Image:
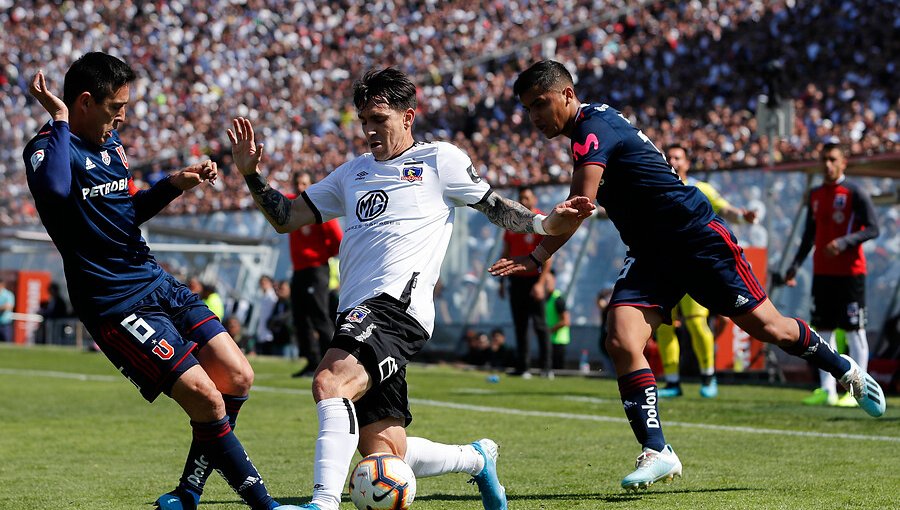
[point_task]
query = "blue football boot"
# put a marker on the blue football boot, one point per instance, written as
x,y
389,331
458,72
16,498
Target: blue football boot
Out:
x,y
493,495
178,499
710,390
864,389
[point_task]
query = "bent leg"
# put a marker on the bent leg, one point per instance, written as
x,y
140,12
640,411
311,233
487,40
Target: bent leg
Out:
x,y
196,393
794,336
339,380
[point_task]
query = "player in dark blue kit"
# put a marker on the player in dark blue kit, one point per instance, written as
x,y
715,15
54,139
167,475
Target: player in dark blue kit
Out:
x,y
619,166
152,328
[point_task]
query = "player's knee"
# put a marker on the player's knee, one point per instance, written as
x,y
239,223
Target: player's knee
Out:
x,y
241,381
200,398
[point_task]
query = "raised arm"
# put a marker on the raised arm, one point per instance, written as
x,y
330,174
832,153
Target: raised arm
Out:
x,y
284,214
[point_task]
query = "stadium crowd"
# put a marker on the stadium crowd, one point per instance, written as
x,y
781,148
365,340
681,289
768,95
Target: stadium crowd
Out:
x,y
686,72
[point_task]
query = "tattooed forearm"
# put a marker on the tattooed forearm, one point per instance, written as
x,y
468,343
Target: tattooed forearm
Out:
x,y
275,206
506,213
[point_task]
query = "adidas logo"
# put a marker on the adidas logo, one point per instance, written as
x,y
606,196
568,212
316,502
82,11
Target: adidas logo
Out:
x,y
248,483
741,301
88,164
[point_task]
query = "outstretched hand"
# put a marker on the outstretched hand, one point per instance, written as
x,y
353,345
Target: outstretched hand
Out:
x,y
54,105
506,267
246,153
568,215
191,176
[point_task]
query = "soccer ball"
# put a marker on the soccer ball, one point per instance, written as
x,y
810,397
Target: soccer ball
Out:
x,y
382,481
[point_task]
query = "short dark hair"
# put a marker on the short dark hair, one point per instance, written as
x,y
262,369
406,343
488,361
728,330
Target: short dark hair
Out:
x,y
97,73
388,86
687,153
543,76
833,145
525,187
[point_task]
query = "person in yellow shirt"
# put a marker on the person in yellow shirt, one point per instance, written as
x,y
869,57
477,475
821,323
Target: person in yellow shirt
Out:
x,y
693,315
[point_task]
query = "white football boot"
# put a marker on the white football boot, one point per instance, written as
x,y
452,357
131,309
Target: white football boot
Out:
x,y
653,466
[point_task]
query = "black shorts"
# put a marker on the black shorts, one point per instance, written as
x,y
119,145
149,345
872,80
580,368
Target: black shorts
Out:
x,y
383,337
839,302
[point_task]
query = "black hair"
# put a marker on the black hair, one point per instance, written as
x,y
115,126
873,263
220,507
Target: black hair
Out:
x,y
687,153
543,76
525,187
388,86
97,73
832,146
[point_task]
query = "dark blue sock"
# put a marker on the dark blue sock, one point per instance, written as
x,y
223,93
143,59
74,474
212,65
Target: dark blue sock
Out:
x,y
638,391
812,348
197,467
229,457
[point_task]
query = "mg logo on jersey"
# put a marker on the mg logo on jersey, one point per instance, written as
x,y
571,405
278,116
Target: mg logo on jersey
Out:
x,y
104,155
371,205
388,367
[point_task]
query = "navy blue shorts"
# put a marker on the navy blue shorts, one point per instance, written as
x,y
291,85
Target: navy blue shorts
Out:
x,y
152,341
708,264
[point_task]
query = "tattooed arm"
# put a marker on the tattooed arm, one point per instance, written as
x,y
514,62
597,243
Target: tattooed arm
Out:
x,y
284,214
511,215
505,213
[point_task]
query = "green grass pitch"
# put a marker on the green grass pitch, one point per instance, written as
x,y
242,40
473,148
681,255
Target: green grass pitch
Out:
x,y
75,434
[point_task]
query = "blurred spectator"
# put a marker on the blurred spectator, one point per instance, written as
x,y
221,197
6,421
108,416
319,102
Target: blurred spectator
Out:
x,y
234,328
280,322
558,321
265,305
501,356
7,305
478,351
311,248
527,293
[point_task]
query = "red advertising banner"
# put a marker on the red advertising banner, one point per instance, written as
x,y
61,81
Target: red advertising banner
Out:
x,y
31,291
736,350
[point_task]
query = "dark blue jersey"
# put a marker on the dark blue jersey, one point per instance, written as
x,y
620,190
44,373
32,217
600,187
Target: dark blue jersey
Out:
x,y
91,209
640,191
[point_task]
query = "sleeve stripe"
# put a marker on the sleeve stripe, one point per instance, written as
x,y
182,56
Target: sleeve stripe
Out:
x,y
579,165
485,196
313,207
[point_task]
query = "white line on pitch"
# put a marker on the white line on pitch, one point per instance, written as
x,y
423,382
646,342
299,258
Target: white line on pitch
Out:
x,y
498,410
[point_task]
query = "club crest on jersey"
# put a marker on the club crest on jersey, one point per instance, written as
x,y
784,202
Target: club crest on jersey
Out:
x,y
121,151
104,156
358,314
840,201
411,173
36,158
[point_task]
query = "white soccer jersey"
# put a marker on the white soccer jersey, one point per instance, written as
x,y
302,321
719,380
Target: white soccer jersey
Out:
x,y
399,217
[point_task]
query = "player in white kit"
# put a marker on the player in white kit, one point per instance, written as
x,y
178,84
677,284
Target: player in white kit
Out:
x,y
399,204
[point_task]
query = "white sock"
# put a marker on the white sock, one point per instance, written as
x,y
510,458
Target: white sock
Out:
x,y
826,380
427,458
858,345
338,439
